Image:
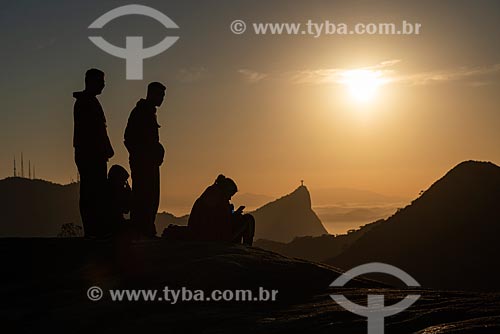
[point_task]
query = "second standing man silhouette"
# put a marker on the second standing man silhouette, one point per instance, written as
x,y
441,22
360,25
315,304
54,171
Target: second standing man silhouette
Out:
x,y
145,156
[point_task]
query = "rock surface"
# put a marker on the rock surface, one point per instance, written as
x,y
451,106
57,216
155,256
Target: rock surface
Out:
x,y
45,283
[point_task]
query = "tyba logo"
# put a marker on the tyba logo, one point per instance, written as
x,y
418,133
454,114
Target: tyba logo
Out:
x,y
134,53
375,311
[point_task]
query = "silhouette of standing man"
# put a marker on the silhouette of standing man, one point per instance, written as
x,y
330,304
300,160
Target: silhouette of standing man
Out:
x,y
92,152
146,156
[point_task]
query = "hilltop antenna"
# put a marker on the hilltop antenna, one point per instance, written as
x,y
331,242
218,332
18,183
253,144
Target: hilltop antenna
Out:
x,y
22,165
301,183
34,175
15,170
29,169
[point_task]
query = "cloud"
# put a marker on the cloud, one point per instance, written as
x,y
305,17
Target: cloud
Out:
x,y
472,76
334,75
251,76
469,75
190,75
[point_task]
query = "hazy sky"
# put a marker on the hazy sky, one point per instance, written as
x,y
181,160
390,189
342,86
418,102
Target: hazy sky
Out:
x,y
265,110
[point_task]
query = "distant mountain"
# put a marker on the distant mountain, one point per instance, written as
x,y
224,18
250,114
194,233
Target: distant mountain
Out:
x,y
448,238
288,217
36,207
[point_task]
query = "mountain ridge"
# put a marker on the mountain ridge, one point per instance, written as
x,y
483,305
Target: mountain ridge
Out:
x,y
449,237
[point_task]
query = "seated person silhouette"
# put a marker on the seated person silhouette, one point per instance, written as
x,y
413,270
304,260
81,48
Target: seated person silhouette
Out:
x,y
213,217
119,197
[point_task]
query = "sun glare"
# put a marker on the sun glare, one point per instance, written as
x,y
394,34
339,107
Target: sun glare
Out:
x,y
362,84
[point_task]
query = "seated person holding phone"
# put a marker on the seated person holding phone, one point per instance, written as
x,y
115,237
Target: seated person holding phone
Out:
x,y
213,217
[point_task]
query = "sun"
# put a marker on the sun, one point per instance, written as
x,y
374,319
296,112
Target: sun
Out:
x,y
362,84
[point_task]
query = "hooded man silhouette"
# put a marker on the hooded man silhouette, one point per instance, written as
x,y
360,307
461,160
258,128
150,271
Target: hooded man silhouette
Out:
x,y
92,152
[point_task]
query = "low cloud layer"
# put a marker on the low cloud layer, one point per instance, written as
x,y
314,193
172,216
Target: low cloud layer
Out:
x,y
474,76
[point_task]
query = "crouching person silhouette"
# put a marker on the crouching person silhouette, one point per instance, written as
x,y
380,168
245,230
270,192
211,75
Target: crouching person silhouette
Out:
x,y
213,217
119,199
